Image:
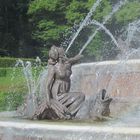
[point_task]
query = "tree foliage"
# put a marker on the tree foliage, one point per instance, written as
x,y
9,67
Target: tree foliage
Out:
x,y
102,10
48,19
76,11
29,27
129,12
51,18
15,31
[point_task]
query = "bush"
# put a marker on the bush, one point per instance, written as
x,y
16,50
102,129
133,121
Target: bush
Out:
x,y
10,62
10,101
9,71
3,72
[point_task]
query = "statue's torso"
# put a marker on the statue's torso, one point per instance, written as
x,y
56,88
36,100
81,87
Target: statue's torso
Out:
x,y
62,82
63,71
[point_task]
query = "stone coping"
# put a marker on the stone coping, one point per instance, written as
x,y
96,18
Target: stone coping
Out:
x,y
74,128
111,62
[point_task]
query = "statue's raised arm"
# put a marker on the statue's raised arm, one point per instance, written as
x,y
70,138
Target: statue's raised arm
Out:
x,y
75,59
72,60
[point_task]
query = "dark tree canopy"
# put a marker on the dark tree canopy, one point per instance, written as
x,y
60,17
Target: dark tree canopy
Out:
x,y
29,27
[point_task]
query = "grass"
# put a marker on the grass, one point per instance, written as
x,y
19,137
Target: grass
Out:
x,y
13,88
12,77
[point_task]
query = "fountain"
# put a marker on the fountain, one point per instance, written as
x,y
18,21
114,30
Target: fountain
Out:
x,y
97,100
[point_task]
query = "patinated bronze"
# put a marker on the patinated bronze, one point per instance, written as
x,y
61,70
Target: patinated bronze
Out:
x,y
100,108
59,102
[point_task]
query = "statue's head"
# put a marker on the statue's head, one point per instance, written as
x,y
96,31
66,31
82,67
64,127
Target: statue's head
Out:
x,y
61,52
53,53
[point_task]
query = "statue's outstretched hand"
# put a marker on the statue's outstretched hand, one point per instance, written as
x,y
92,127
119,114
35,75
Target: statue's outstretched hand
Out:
x,y
79,56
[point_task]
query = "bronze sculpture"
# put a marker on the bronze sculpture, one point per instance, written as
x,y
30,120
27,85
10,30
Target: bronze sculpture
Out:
x,y
59,103
100,108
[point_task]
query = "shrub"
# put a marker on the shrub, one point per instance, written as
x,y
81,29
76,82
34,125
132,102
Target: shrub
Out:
x,y
8,71
10,101
3,72
10,62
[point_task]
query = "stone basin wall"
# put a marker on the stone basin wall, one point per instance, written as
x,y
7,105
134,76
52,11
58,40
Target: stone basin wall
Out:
x,y
39,131
122,82
119,78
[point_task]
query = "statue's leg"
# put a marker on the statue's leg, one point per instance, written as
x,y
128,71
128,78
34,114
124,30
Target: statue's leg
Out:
x,y
72,99
65,98
60,97
58,109
61,108
75,106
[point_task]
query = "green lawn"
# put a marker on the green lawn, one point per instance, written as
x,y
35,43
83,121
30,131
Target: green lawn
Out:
x,y
12,87
12,77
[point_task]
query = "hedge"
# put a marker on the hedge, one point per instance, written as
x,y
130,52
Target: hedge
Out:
x,y
7,71
10,62
3,72
10,101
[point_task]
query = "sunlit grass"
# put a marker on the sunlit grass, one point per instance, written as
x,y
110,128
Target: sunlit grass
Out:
x,y
13,87
12,77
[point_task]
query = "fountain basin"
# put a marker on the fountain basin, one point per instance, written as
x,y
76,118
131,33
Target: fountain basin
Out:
x,y
10,130
120,79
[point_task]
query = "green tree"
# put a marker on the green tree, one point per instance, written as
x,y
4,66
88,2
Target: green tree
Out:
x,y
51,18
15,37
48,18
102,10
128,13
76,11
94,49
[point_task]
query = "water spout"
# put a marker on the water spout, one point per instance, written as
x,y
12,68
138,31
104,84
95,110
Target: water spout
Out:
x,y
106,30
115,9
96,4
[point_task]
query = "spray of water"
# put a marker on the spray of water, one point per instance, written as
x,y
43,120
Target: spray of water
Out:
x,y
26,73
115,9
68,35
32,84
127,52
120,67
106,30
131,30
87,18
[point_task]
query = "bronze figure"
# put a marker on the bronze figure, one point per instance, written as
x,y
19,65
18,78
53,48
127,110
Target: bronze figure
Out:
x,y
59,102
